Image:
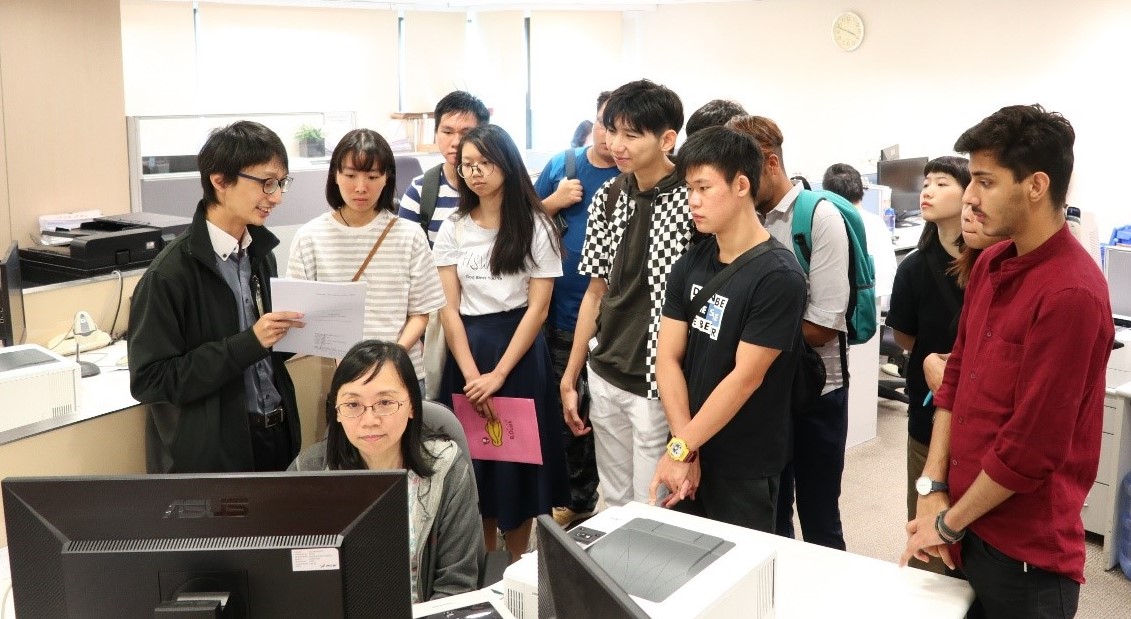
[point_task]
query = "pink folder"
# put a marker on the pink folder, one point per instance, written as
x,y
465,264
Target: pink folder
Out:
x,y
513,439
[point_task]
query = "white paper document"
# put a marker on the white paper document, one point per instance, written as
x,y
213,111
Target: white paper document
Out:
x,y
334,315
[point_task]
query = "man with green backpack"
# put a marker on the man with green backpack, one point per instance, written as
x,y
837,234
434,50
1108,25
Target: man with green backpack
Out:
x,y
827,237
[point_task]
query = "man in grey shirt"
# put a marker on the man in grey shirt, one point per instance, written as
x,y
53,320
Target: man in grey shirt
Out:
x,y
820,433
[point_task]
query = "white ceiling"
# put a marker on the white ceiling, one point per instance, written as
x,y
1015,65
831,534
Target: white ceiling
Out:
x,y
478,5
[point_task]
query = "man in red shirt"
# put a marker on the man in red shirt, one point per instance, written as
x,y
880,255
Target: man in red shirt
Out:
x,y
1020,412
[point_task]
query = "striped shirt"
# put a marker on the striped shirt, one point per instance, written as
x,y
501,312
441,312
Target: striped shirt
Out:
x,y
401,279
447,201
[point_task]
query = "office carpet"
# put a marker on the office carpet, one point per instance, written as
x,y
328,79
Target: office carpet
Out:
x,y
873,510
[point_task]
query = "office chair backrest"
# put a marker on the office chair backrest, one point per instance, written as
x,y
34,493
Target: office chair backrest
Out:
x,y
441,419
408,168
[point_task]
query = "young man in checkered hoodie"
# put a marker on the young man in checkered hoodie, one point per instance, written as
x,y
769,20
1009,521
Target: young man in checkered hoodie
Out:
x,y
639,225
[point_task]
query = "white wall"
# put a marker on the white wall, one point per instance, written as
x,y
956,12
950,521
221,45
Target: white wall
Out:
x,y
575,56
925,73
259,59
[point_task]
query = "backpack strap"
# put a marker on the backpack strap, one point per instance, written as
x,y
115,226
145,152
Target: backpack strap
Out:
x,y
429,192
571,163
801,228
615,189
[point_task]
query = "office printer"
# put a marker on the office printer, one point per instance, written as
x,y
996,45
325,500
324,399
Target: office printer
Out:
x,y
106,244
36,384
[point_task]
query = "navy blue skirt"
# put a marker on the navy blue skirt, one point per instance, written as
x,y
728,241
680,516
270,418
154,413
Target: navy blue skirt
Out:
x,y
509,491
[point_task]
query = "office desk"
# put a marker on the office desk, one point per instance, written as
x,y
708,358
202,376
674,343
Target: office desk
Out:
x,y
108,392
906,239
1101,507
814,581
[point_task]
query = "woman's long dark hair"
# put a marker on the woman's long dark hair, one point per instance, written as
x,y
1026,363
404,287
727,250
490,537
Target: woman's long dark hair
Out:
x,y
962,266
363,362
521,209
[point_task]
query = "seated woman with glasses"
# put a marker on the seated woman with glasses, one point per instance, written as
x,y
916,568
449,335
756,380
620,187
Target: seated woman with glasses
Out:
x,y
362,239
498,255
373,420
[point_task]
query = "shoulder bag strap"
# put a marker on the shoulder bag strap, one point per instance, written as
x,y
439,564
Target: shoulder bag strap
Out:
x,y
570,163
392,222
720,278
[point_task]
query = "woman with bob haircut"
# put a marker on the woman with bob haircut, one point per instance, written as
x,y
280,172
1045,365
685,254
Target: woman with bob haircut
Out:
x,y
926,301
498,255
362,239
373,422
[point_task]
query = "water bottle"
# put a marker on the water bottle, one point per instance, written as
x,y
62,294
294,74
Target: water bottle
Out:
x,y
889,219
1123,529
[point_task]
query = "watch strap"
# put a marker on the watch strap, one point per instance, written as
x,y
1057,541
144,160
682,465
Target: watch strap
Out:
x,y
947,534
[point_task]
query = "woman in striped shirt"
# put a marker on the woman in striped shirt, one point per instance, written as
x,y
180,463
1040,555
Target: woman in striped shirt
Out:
x,y
402,285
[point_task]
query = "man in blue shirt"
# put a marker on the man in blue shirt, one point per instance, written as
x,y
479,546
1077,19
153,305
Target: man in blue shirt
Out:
x,y
567,197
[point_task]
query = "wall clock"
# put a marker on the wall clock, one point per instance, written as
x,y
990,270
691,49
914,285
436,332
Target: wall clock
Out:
x,y
848,31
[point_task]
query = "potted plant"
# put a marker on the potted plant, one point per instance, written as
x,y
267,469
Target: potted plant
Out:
x,y
311,141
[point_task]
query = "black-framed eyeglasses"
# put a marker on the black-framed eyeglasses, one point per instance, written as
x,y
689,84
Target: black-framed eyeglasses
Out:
x,y
483,168
381,408
270,185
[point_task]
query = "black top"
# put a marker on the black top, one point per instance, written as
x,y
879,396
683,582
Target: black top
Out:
x,y
919,309
621,355
761,304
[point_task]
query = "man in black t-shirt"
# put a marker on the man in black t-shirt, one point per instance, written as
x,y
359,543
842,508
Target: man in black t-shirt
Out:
x,y
725,367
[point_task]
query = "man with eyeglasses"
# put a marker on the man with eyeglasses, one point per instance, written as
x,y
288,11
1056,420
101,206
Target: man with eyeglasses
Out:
x,y
201,325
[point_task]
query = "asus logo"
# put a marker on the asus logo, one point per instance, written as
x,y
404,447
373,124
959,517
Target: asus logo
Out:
x,y
206,508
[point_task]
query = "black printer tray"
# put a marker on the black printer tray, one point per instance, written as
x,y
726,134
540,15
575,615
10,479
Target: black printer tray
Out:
x,y
94,254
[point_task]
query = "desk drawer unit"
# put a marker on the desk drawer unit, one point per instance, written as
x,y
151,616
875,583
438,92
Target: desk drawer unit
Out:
x,y
1097,509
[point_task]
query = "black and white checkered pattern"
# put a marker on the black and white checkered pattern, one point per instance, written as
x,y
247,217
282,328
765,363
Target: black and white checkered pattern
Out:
x,y
669,234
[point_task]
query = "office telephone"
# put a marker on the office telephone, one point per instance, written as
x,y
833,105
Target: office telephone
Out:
x,y
84,332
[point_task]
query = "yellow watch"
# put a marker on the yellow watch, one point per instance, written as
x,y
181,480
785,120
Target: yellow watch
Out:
x,y
678,451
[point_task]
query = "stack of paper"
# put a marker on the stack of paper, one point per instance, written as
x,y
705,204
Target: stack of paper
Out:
x,y
66,221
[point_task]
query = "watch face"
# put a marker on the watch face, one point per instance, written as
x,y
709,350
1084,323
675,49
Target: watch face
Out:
x,y
923,485
677,449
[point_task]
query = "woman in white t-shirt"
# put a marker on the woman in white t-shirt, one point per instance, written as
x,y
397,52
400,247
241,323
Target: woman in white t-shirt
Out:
x,y
498,255
402,285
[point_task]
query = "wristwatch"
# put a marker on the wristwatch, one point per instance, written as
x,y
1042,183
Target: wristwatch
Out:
x,y
678,451
925,485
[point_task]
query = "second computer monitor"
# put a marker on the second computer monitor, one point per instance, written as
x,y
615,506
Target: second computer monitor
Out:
x,y
905,177
571,584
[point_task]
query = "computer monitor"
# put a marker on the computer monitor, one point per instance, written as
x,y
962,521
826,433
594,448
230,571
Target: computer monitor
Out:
x,y
905,177
12,326
1117,268
571,584
278,545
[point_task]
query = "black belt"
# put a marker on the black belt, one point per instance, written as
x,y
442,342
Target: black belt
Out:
x,y
265,420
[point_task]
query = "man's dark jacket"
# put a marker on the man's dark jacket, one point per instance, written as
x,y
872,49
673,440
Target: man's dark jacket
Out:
x,y
188,356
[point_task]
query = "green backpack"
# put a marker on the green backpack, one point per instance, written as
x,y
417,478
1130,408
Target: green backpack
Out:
x,y
861,313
